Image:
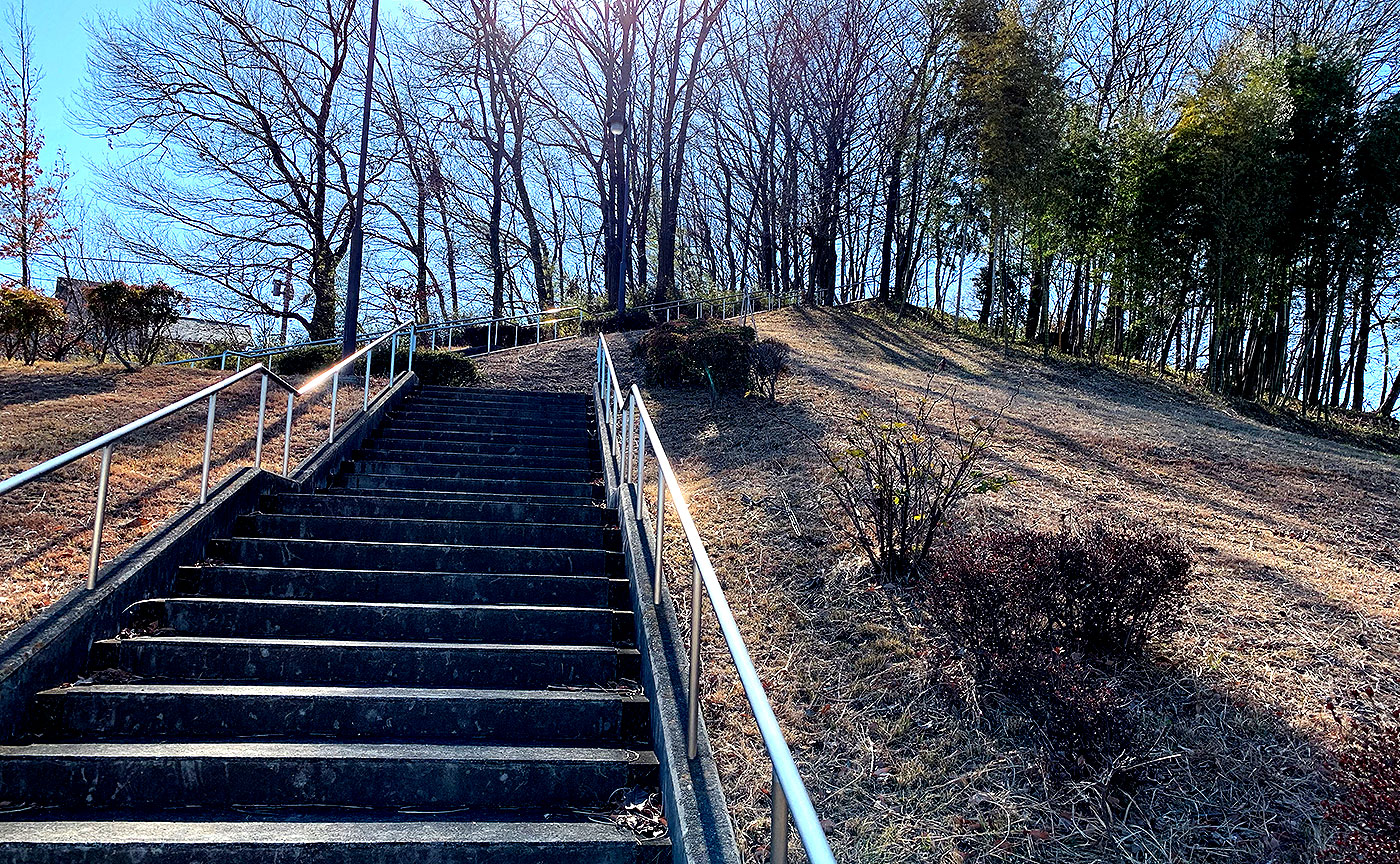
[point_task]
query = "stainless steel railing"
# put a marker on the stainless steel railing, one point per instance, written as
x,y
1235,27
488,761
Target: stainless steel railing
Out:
x,y
106,443
629,431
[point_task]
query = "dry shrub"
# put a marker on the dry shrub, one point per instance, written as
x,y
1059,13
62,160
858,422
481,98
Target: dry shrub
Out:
x,y
697,353
898,472
1366,770
1042,615
768,360
1100,587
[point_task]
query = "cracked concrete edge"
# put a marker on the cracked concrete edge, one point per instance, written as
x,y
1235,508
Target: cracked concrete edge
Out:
x,y
53,647
697,815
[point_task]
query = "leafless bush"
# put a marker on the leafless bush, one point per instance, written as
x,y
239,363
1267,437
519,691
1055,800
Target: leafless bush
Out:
x,y
768,360
900,470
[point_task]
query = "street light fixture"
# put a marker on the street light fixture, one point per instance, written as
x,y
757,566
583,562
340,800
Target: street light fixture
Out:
x,y
357,233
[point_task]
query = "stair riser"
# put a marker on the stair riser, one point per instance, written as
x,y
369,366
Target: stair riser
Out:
x,y
369,530
366,507
488,435
565,437
92,715
578,491
379,452
542,418
386,665
361,782
443,559
427,468
482,396
425,443
505,625
400,587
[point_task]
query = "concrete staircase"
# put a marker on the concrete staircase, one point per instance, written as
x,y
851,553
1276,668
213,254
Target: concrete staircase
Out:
x,y
430,661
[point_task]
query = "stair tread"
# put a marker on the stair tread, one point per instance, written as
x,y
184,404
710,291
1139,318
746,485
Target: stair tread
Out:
x,y
265,831
339,750
308,691
311,642
377,604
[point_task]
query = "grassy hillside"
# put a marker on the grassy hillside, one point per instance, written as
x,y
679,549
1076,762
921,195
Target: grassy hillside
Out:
x,y
46,409
1297,538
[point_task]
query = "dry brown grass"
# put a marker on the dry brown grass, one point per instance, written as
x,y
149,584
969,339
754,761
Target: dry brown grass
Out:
x,y
1298,541
46,409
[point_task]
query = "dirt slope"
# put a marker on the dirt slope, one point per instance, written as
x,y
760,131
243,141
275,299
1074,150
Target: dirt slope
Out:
x,y
1298,541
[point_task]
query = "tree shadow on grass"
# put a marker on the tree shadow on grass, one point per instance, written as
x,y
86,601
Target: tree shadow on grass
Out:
x,y
31,386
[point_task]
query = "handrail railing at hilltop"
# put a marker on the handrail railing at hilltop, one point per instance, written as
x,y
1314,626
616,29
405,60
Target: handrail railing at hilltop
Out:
x,y
628,433
106,443
742,304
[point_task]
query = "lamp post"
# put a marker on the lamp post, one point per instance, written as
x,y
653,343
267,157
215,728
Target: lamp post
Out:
x,y
357,234
617,128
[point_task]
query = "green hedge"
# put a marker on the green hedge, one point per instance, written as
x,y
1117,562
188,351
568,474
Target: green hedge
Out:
x,y
444,368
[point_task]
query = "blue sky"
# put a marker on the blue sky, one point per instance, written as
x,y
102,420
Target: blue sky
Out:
x,y
60,47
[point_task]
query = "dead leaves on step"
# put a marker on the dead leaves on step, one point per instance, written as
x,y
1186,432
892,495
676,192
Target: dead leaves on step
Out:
x,y
638,810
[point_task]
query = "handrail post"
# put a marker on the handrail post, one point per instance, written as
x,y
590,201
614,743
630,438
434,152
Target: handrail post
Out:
x,y
287,438
412,345
100,517
641,471
627,445
262,418
208,446
778,848
223,362
335,392
693,720
369,357
393,358
660,526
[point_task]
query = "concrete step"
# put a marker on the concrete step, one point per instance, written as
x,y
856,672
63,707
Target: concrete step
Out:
x,y
380,451
286,552
495,487
134,775
484,395
546,417
424,443
184,712
400,467
315,840
485,426
374,663
337,619
349,486
369,506
437,531
395,427
401,586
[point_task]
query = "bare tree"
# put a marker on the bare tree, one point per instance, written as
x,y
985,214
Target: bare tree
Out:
x,y
235,115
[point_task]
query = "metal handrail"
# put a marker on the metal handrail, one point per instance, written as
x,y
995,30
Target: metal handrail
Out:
x,y
790,798
743,302
108,441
